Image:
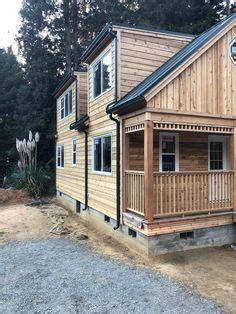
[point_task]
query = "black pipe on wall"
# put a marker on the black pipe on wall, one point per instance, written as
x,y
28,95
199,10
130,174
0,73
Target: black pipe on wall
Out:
x,y
86,170
117,138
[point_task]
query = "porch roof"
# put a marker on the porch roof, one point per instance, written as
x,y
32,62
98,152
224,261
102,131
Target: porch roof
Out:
x,y
137,93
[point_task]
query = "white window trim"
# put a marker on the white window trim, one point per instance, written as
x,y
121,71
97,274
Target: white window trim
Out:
x,y
72,152
64,97
104,173
176,135
230,47
93,64
223,139
60,146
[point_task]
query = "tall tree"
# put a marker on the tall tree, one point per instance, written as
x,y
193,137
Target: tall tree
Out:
x,y
13,95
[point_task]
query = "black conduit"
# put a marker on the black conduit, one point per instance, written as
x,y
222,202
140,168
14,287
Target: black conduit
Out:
x,y
117,138
117,171
86,170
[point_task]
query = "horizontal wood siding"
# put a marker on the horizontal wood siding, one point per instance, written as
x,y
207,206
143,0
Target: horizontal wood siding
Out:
x,y
208,85
70,179
142,53
82,94
102,188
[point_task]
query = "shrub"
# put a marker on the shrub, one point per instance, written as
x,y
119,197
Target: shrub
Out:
x,y
36,180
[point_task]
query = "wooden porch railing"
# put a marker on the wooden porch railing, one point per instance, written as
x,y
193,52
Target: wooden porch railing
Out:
x,y
177,193
134,184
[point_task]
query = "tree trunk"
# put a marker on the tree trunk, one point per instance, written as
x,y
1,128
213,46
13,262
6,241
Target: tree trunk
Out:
x,y
228,5
75,35
67,34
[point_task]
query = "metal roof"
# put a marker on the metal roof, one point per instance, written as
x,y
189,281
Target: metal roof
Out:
x,y
138,92
153,29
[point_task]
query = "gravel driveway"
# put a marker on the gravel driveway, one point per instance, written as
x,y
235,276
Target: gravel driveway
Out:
x,y
61,276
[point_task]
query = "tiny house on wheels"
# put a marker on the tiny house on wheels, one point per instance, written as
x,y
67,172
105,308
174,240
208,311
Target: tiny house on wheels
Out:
x,y
146,136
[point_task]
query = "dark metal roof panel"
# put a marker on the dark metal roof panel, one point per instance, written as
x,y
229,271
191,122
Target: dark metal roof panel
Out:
x,y
153,29
169,66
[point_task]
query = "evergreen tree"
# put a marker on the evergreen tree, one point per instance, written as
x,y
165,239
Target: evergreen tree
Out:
x,y
13,95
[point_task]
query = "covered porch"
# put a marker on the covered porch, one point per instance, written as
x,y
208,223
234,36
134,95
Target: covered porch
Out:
x,y
177,170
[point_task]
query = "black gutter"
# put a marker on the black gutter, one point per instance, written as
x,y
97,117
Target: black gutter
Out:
x,y
106,30
86,170
117,138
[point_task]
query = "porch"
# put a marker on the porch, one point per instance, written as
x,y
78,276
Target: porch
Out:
x,y
178,171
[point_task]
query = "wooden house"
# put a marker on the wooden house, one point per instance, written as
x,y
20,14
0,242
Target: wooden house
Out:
x,y
146,137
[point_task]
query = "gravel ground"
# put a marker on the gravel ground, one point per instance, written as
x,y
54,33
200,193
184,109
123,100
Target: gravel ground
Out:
x,y
61,276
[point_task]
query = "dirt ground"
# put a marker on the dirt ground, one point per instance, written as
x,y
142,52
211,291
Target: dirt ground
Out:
x,y
211,272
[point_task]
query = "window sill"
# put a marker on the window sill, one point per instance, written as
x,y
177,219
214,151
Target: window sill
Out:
x,y
62,119
102,173
60,167
100,95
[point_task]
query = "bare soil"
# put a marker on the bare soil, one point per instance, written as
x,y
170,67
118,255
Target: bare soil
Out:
x,y
211,272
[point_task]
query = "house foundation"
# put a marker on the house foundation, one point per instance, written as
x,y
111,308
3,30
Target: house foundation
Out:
x,y
155,244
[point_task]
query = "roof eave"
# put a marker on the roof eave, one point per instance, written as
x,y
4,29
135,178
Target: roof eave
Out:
x,y
95,43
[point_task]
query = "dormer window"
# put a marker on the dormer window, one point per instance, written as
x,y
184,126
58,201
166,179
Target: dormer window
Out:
x,y
233,51
102,75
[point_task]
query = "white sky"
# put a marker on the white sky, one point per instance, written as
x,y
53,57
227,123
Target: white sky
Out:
x,y
9,21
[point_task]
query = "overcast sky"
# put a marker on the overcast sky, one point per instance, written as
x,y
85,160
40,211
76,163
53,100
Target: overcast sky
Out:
x,y
9,21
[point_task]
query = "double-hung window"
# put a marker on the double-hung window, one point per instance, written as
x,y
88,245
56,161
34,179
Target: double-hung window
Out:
x,y
102,154
66,104
102,75
74,141
169,152
217,147
60,156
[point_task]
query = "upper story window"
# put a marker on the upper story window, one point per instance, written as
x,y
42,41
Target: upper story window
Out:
x,y
102,75
66,104
60,156
102,154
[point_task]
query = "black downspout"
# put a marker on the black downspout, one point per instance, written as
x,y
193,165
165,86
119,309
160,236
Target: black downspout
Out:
x,y
117,142
86,169
76,100
117,171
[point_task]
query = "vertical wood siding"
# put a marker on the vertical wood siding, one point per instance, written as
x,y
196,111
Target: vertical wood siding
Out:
x,y
208,85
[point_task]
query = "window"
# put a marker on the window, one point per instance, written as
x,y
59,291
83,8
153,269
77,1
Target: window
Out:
x,y
102,154
66,104
60,156
217,153
102,75
74,152
169,149
233,51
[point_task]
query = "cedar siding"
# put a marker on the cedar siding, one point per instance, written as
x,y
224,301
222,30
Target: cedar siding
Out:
x,y
142,52
207,85
70,179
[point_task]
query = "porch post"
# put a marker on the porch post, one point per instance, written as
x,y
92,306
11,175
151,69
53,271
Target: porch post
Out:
x,y
148,169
